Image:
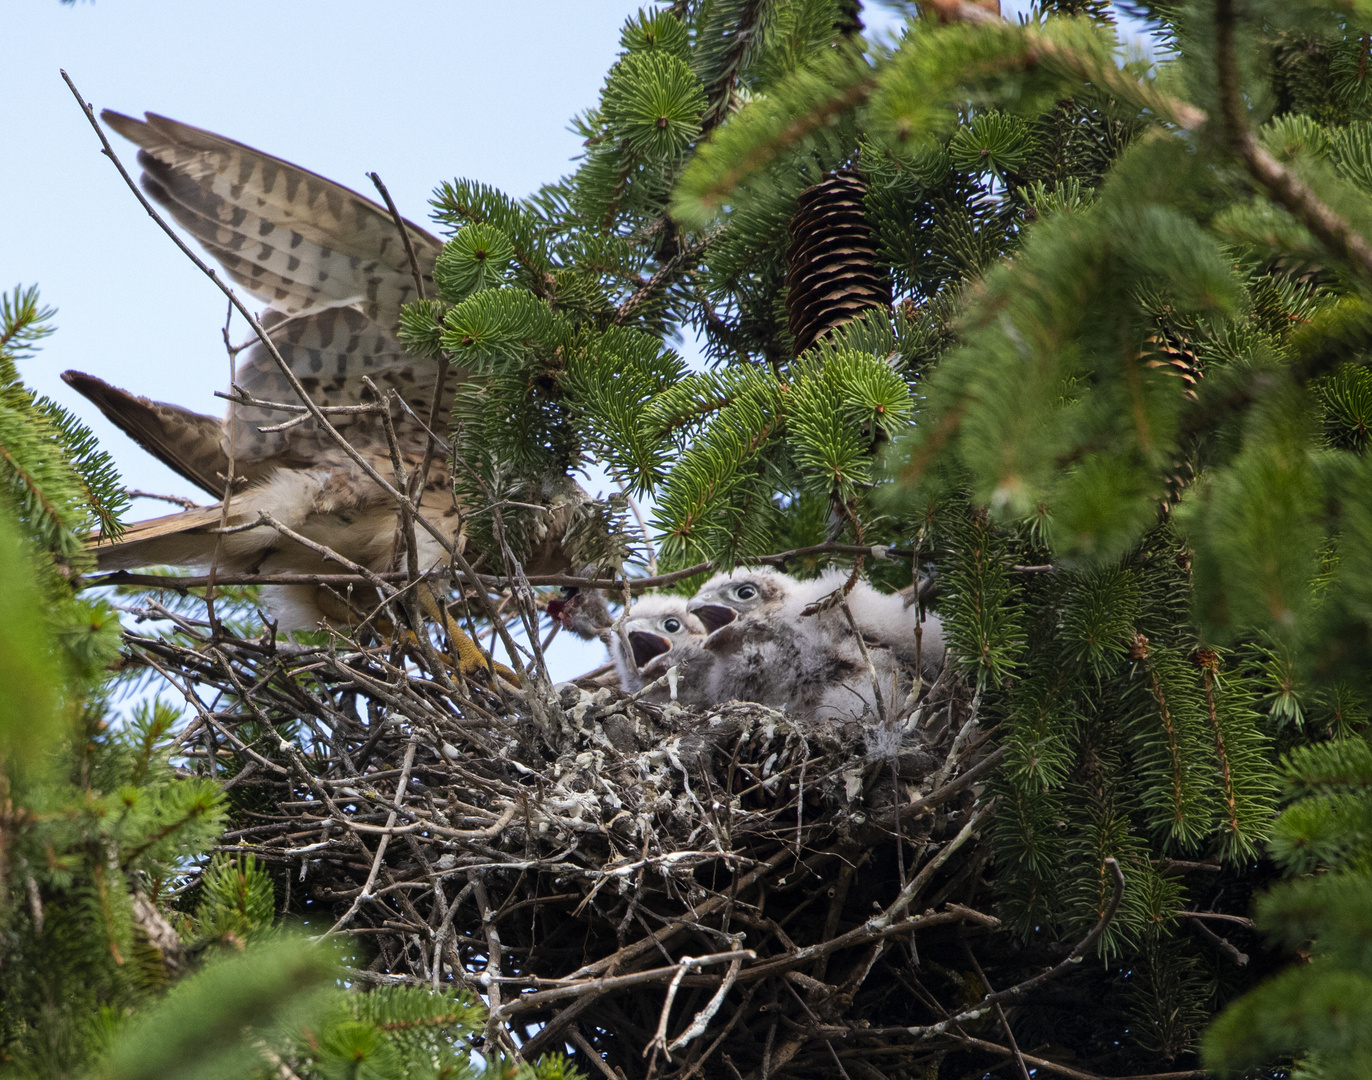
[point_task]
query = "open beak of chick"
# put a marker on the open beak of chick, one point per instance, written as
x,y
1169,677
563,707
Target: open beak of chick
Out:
x,y
645,646
714,616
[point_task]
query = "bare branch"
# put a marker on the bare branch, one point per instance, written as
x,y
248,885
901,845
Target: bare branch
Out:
x,y
404,234
1021,990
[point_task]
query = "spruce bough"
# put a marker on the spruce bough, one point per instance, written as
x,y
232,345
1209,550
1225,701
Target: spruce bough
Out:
x,y
1118,405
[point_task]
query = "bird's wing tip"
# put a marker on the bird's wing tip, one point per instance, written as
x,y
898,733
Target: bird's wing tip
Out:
x,y
78,379
128,126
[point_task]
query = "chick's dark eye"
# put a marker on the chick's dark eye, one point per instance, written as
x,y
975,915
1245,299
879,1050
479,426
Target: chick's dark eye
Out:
x,y
671,625
746,592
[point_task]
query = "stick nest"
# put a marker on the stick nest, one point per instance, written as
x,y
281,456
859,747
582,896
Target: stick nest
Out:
x,y
667,893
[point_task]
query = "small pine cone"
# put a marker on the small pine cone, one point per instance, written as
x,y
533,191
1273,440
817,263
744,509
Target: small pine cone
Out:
x,y
1179,477
1168,350
1171,352
833,274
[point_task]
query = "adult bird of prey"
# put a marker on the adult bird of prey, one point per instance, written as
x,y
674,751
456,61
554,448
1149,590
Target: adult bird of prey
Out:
x,y
658,634
332,270
814,666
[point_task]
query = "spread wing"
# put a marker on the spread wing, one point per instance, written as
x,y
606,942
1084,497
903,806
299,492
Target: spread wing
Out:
x,y
332,269
330,352
291,238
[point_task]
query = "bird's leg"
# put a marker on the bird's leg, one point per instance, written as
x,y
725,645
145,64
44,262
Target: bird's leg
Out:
x,y
470,658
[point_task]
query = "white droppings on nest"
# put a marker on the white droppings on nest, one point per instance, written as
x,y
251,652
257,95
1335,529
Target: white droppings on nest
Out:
x,y
623,829
576,711
600,738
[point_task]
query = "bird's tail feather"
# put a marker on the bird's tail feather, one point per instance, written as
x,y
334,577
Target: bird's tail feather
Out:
x,y
184,539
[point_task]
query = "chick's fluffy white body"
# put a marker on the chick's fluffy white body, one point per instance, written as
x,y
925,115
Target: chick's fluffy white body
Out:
x,y
885,620
768,651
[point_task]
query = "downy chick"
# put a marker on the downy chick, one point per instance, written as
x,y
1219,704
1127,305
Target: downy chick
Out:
x,y
769,653
661,633
884,620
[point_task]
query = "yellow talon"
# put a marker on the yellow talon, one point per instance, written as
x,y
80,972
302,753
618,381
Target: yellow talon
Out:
x,y
470,658
469,655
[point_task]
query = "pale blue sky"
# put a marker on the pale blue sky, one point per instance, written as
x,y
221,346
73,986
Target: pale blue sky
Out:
x,y
418,90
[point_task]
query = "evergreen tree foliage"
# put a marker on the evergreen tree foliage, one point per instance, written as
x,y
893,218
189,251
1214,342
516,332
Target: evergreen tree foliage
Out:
x,y
1317,1010
1118,413
95,820
1132,450
1170,312
267,1003
56,484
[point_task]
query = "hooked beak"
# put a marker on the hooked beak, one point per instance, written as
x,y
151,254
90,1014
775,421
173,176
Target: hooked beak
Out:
x,y
714,616
645,646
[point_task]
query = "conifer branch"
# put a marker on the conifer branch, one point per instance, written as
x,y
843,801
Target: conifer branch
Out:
x,y
198,809
762,152
1175,759
729,64
677,264
22,323
34,487
1283,185
1209,664
1042,47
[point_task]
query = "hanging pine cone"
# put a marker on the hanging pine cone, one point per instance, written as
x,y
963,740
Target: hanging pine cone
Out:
x,y
1168,350
833,274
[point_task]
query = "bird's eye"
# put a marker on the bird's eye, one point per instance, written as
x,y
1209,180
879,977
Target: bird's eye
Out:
x,y
746,592
671,625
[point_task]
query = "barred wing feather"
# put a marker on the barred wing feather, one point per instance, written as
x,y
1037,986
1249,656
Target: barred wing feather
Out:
x,y
293,239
